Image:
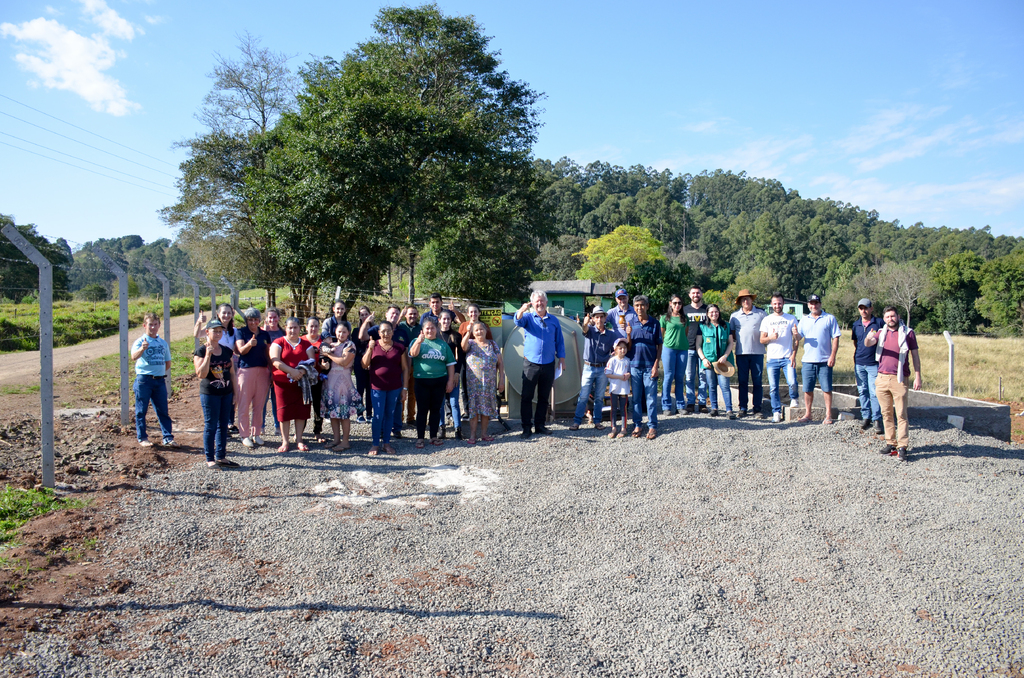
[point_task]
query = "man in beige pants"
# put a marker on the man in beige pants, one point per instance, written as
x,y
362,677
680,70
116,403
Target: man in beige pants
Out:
x,y
895,344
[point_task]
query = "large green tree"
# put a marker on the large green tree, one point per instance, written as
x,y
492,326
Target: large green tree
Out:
x,y
1002,291
612,257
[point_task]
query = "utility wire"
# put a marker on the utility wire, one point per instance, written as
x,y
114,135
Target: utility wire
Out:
x,y
75,157
86,169
86,131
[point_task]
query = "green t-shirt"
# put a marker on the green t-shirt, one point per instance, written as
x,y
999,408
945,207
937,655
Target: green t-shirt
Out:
x,y
433,361
715,341
674,331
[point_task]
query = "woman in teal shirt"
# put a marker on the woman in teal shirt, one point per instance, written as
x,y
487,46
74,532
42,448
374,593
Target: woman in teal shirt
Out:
x,y
674,327
716,346
433,369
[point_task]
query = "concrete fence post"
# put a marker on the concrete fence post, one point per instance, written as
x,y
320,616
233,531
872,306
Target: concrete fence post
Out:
x,y
45,348
213,294
122,303
949,340
234,292
195,299
166,284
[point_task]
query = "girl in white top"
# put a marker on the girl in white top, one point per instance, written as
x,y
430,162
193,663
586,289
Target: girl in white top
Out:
x,y
617,371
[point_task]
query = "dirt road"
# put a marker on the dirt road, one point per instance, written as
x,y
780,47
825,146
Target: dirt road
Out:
x,y
22,369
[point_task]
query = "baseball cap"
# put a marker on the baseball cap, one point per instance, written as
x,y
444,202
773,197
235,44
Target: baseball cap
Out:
x,y
814,297
864,302
214,324
620,340
621,293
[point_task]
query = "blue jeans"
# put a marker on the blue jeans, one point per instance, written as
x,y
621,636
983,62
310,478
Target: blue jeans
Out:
x,y
866,375
594,381
385,404
216,419
751,366
774,368
644,386
674,363
273,408
693,373
718,381
816,372
148,389
453,405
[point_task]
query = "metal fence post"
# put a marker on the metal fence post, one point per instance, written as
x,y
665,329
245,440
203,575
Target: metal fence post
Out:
x,y
213,293
167,297
195,299
45,348
122,303
949,340
234,293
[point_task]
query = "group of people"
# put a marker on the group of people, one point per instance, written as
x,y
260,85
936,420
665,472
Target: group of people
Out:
x,y
418,366
700,350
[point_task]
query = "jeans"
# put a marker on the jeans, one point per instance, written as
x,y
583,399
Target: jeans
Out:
x,y
216,419
454,406
396,414
619,404
536,378
674,363
644,386
774,368
820,372
594,381
385,403
715,382
751,366
693,373
866,375
430,394
148,389
273,408
363,386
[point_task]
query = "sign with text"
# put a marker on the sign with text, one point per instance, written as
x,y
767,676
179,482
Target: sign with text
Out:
x,y
491,316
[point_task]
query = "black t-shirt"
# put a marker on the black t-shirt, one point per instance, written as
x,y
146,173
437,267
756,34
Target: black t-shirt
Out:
x,y
697,315
218,380
454,341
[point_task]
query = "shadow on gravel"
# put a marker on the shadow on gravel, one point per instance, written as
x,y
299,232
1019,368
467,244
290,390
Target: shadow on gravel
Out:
x,y
970,451
318,607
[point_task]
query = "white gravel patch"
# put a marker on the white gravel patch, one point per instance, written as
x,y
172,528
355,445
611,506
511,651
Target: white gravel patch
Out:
x,y
722,548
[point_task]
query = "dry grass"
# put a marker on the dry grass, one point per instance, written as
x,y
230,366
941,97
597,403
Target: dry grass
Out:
x,y
979,362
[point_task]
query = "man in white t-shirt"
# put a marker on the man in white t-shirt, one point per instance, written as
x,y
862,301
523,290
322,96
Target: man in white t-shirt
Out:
x,y
778,334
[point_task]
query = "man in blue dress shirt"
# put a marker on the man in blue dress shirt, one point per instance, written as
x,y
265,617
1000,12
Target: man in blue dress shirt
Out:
x,y
542,344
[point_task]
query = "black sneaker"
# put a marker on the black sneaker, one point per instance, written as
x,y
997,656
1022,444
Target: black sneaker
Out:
x,y
444,434
704,409
542,430
732,415
879,428
714,413
760,415
741,414
232,429
396,434
458,433
526,433
688,410
226,463
901,454
888,450
865,425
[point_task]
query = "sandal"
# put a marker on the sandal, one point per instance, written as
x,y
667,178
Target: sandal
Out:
x,y
471,441
340,447
614,431
652,434
390,450
804,420
827,420
487,439
302,447
636,432
420,444
283,448
437,442
598,427
373,451
622,434
574,427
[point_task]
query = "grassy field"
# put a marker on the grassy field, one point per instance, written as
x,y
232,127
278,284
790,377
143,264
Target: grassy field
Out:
x,y
978,364
75,321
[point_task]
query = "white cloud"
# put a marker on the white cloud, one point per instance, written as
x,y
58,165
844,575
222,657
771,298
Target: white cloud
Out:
x,y
768,157
700,127
913,202
888,125
64,59
53,11
154,20
915,147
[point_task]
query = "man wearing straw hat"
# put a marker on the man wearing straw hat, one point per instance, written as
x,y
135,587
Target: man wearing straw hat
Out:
x,y
597,349
746,327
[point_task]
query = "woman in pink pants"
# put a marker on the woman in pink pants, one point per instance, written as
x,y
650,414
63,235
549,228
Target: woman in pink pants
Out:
x,y
253,346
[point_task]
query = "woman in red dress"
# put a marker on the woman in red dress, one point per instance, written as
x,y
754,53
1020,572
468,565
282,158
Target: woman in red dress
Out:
x,y
285,354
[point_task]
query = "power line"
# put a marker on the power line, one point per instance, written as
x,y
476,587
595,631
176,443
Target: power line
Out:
x,y
86,169
85,130
75,157
95,148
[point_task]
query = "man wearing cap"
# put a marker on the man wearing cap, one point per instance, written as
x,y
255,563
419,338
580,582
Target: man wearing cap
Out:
x,y
865,366
597,349
893,344
746,327
620,317
697,312
820,332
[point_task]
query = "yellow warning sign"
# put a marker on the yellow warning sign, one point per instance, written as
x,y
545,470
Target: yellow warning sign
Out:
x,y
491,316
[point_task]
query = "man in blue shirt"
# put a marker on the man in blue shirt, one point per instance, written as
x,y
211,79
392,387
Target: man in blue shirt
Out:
x,y
622,316
644,356
338,311
542,343
820,332
597,348
436,306
152,358
865,366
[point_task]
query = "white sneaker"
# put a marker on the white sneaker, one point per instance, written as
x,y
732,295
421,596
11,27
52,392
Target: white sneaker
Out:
x,y
777,417
793,403
248,442
257,440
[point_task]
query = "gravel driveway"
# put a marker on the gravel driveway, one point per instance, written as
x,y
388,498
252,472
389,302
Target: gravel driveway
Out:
x,y
723,548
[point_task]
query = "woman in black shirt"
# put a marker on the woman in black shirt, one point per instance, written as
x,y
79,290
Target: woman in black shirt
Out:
x,y
216,393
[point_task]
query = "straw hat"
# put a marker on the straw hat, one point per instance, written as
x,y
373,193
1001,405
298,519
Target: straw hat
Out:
x,y
726,370
745,293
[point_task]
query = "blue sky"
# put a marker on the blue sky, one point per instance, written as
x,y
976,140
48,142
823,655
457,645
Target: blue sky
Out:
x,y
914,109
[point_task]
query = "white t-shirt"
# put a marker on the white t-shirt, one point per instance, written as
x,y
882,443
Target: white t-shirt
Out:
x,y
619,366
783,326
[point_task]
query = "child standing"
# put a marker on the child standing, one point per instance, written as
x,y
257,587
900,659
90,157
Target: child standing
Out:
x,y
618,375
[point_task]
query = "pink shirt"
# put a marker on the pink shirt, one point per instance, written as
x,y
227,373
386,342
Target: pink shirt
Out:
x,y
890,359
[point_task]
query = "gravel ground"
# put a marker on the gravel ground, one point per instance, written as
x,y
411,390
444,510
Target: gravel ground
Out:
x,y
723,548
